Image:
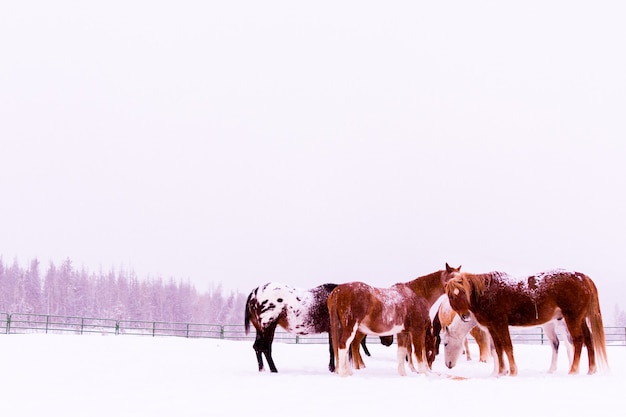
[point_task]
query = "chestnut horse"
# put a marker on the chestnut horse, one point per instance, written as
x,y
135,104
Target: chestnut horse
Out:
x,y
296,310
357,309
455,333
499,301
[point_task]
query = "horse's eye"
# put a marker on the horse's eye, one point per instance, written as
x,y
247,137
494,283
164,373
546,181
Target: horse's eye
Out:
x,y
445,344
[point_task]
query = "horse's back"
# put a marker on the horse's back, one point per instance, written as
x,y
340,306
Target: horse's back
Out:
x,y
357,300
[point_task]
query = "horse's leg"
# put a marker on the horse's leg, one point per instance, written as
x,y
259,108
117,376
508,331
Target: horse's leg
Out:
x,y
499,344
355,351
483,341
263,346
418,337
345,340
507,344
364,346
567,338
403,340
575,328
259,359
270,360
591,352
468,355
494,355
331,363
550,331
259,347
409,354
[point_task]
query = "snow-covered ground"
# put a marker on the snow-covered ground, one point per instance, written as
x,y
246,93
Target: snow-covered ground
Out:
x,y
63,375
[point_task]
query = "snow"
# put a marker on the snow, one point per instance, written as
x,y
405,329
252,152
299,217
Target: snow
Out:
x,y
65,375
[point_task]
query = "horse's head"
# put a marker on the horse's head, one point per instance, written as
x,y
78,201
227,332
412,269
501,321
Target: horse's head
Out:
x,y
452,345
458,291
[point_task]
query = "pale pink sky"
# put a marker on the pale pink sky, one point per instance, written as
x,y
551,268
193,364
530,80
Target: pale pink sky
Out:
x,y
242,142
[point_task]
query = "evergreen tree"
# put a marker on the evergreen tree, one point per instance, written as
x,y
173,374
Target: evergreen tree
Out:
x,y
122,296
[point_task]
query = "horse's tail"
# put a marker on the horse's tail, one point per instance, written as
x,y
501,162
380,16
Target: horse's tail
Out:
x,y
597,328
246,319
436,330
334,324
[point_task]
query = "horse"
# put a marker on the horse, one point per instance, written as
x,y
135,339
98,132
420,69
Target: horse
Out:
x,y
498,301
357,309
299,311
455,333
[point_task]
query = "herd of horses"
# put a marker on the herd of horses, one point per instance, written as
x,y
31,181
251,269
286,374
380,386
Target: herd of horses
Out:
x,y
483,305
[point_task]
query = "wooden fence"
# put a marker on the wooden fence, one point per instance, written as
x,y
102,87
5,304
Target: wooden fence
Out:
x,y
20,323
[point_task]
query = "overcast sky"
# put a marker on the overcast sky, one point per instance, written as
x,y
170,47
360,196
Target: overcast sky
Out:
x,y
238,142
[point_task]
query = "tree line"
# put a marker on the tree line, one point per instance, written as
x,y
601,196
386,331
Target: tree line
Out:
x,y
66,291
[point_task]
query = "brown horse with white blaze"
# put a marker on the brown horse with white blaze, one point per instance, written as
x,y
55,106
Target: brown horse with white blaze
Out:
x,y
498,301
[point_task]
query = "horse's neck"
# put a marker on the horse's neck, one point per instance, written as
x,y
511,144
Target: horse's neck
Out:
x,y
429,286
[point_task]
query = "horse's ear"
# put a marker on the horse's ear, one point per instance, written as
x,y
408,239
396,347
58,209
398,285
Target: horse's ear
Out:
x,y
449,269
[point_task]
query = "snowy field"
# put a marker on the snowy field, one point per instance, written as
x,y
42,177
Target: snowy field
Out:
x,y
63,375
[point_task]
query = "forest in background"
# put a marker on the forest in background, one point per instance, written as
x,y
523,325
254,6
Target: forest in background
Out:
x,y
63,290
66,291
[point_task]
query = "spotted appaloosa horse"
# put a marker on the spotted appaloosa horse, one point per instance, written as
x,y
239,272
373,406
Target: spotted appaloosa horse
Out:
x,y
299,311
375,316
499,301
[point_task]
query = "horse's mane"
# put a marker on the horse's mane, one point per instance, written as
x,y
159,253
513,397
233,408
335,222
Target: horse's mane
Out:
x,y
470,284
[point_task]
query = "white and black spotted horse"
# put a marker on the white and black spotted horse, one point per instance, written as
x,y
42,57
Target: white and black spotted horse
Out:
x,y
299,311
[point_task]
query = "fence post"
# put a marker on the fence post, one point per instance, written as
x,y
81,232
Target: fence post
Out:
x,y
8,324
47,322
297,339
221,332
187,335
82,324
153,328
541,328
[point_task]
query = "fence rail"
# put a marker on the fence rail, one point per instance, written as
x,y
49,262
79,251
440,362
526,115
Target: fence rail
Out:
x,y
20,323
